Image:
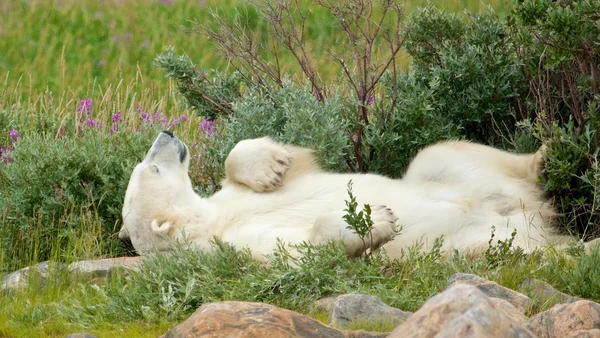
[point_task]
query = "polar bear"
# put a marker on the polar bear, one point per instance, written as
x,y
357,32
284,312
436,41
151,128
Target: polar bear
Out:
x,y
273,191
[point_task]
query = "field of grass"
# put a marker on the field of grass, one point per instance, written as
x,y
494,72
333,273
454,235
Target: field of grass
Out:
x,y
55,53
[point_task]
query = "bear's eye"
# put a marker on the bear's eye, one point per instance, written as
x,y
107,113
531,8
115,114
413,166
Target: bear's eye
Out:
x,y
154,169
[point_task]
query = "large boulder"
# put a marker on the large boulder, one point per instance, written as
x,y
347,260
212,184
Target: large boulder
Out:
x,y
492,289
460,311
563,320
256,320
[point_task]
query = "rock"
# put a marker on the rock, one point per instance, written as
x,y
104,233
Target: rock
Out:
x,y
15,280
250,320
21,278
324,304
564,319
595,333
460,311
365,334
509,310
355,307
80,335
543,293
492,289
98,271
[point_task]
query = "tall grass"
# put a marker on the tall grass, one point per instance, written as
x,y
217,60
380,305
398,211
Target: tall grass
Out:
x,y
66,45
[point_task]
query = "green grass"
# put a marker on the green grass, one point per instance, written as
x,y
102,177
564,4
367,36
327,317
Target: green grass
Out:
x,y
170,287
65,46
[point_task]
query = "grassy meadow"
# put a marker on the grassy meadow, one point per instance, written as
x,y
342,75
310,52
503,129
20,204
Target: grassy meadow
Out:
x,y
55,55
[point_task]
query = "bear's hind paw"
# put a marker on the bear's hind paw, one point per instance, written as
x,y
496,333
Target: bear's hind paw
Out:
x,y
384,225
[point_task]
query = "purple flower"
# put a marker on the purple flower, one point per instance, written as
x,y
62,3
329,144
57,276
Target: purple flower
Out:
x,y
85,106
116,118
174,123
164,121
90,122
155,117
114,128
371,100
183,117
14,135
4,158
207,127
145,117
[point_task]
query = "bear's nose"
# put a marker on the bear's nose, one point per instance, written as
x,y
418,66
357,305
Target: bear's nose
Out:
x,y
168,133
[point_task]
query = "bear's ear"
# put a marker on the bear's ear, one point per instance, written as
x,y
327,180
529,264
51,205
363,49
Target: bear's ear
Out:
x,y
123,233
160,229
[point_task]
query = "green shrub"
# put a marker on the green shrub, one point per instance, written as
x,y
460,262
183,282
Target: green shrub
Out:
x,y
571,174
464,83
470,67
54,185
559,46
211,96
290,114
403,125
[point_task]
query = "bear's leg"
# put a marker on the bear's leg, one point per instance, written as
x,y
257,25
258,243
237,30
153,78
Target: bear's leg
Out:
x,y
459,161
331,226
537,163
264,165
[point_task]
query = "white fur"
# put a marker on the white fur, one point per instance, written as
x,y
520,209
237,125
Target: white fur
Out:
x,y
458,190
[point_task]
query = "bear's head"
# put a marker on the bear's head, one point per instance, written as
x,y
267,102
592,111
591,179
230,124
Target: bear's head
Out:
x,y
158,193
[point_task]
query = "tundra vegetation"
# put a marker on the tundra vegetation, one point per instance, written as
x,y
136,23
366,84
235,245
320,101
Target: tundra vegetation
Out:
x,y
87,85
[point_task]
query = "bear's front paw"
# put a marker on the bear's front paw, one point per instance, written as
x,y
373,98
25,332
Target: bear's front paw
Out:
x,y
384,225
271,169
260,164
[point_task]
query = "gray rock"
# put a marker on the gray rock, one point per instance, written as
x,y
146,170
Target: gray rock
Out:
x,y
493,289
460,311
99,271
32,274
324,304
564,319
355,307
80,335
543,293
15,280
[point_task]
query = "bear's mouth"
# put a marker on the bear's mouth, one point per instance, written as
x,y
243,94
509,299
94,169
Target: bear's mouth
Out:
x,y
182,152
